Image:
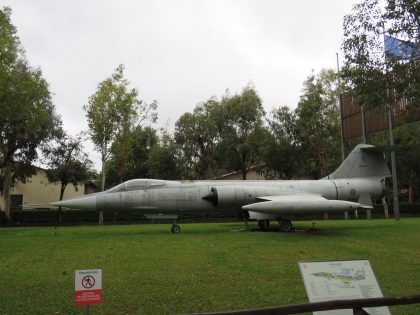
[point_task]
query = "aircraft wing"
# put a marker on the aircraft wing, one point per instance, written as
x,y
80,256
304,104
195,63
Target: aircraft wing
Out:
x,y
300,203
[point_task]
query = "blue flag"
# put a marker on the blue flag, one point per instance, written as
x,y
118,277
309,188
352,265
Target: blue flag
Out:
x,y
400,49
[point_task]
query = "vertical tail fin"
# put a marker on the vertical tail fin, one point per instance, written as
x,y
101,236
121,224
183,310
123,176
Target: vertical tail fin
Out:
x,y
364,161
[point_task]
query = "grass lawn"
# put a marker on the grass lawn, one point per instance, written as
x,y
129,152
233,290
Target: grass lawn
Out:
x,y
207,267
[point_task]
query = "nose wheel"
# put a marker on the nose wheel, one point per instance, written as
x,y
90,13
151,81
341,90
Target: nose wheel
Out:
x,y
175,228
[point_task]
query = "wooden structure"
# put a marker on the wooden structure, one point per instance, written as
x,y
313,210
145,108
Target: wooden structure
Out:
x,y
375,119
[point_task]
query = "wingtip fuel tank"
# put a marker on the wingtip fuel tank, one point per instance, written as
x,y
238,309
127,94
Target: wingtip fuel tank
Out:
x,y
307,206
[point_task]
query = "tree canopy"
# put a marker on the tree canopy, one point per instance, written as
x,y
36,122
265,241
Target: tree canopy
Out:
x,y
318,124
27,115
197,135
222,135
306,142
68,163
376,73
113,110
242,132
282,158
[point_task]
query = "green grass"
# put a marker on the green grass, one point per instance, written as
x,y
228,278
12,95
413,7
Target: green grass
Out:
x,y
208,267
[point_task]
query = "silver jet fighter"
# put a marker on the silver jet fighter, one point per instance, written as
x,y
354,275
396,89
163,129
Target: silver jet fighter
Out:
x,y
358,180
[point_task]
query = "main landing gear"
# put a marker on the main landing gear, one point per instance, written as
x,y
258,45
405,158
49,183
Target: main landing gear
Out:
x,y
264,224
285,225
175,228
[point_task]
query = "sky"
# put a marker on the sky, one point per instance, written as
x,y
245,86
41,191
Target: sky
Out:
x,y
178,52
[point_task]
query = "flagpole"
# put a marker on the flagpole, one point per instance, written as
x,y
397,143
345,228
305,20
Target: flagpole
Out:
x,y
340,102
393,167
396,203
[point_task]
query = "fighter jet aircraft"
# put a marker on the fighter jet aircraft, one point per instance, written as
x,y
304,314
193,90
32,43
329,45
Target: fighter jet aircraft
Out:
x,y
358,180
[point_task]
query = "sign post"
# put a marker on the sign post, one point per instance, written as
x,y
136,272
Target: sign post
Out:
x,y
88,287
340,280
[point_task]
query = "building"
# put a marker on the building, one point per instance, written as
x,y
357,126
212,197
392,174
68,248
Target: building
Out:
x,y
38,192
251,175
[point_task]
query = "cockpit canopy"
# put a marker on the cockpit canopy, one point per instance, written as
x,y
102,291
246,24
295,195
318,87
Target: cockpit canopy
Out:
x,y
137,184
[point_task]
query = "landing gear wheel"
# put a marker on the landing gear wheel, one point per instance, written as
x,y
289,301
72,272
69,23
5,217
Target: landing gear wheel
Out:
x,y
285,225
175,229
264,224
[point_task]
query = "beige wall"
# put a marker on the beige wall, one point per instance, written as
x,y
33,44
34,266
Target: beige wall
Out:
x,y
38,191
251,175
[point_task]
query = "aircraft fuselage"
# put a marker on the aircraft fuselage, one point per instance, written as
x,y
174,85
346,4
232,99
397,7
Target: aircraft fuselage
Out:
x,y
354,184
225,196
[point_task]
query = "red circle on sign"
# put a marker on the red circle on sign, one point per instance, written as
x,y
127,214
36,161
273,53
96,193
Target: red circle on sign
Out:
x,y
88,282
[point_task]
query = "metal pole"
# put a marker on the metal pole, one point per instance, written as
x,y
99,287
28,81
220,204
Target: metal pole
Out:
x,y
394,168
362,112
391,141
362,108
340,103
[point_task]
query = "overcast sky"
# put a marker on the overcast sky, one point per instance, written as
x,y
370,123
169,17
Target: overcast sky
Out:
x,y
179,53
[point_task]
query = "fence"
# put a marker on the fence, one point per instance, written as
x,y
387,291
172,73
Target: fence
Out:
x,y
356,305
50,216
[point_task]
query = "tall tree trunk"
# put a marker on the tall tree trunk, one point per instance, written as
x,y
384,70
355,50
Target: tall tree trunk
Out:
x,y
410,187
7,184
101,213
62,189
59,217
103,174
244,171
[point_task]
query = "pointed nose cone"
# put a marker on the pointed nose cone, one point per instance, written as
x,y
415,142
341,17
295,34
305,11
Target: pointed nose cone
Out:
x,y
85,203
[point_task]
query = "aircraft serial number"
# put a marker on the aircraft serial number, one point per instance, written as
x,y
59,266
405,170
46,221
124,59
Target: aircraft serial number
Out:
x,y
177,196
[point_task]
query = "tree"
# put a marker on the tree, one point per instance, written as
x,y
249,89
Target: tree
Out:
x,y
378,77
318,124
162,162
27,115
241,131
137,152
9,43
408,137
282,156
196,135
68,164
225,135
113,110
149,156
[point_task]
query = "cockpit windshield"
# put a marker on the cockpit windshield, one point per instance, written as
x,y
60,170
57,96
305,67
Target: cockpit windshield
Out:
x,y
156,182
118,188
136,184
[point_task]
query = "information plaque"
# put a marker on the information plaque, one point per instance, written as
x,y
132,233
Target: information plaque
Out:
x,y
341,280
